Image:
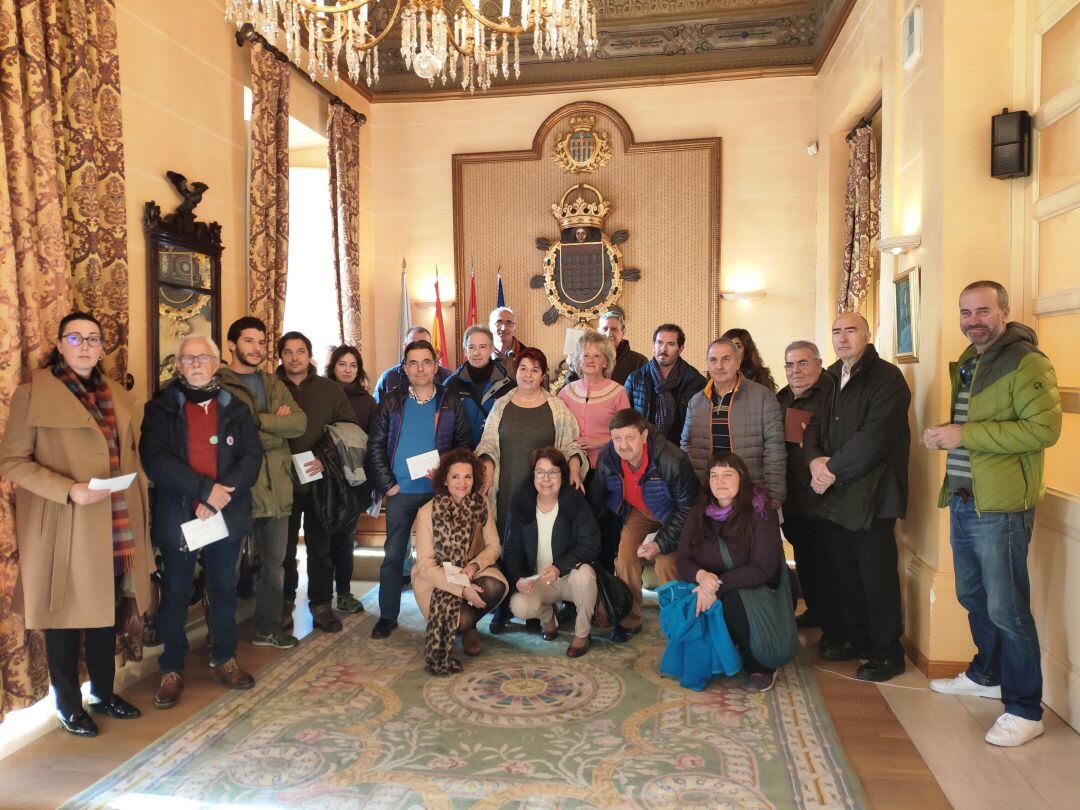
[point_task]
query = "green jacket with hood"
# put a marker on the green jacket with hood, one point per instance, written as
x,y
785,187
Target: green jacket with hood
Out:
x,y
1014,414
272,495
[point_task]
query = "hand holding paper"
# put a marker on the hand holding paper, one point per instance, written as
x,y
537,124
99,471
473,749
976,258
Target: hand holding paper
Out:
x,y
421,465
199,533
118,484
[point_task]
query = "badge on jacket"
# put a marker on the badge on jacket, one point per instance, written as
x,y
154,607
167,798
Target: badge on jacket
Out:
x,y
229,441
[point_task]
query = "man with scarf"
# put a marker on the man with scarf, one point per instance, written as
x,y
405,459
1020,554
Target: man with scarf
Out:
x,y
479,381
201,449
662,389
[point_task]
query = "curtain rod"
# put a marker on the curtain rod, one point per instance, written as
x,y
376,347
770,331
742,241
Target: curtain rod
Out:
x,y
247,33
866,120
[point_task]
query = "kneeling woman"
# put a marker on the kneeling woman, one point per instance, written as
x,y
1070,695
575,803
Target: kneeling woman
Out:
x,y
456,527
551,542
730,546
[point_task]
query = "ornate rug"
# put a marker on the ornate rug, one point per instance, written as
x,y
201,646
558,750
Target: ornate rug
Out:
x,y
344,721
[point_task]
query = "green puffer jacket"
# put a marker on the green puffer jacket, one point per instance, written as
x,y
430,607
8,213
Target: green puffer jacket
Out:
x,y
272,495
1014,414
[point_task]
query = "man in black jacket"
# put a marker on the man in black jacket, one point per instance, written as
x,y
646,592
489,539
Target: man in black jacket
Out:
x,y
411,420
858,446
808,388
201,449
325,403
648,484
662,389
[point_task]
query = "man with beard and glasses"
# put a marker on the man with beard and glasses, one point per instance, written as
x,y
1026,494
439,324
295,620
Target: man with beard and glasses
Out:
x,y
661,390
278,418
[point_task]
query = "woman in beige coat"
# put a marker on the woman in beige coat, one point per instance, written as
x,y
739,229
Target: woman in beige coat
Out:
x,y
78,547
457,528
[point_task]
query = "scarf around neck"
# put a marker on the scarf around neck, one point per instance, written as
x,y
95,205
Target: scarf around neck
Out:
x,y
665,388
94,395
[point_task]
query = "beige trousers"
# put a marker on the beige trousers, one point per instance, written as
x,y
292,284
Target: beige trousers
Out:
x,y
628,565
579,587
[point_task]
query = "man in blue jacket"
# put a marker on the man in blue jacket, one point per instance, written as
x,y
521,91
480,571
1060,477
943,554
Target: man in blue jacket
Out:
x,y
411,420
201,449
649,484
395,376
480,381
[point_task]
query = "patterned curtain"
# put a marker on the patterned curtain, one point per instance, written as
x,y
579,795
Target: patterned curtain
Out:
x,y
343,132
268,238
860,221
62,206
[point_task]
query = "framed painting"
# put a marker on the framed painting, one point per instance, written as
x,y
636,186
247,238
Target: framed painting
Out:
x,y
183,280
906,322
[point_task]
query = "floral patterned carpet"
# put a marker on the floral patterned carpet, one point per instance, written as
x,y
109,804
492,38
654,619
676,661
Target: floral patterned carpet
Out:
x,y
344,721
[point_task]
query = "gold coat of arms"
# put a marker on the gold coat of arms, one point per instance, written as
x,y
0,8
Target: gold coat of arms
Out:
x,y
583,272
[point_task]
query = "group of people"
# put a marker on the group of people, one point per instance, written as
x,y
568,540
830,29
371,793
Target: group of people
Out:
x,y
519,501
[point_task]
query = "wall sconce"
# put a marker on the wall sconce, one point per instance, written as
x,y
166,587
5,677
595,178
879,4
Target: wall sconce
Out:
x,y
741,295
898,244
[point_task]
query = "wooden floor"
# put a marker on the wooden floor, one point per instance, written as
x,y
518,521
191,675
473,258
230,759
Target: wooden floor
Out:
x,y
57,766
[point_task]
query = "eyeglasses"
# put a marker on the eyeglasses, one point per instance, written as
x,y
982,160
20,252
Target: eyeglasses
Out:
x,y
75,339
542,475
505,323
191,359
412,365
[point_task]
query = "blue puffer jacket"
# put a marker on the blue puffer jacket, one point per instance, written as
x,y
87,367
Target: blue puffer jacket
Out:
x,y
451,430
479,401
668,486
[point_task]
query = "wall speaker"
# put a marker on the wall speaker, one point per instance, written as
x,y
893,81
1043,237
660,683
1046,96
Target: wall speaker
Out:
x,y
1010,145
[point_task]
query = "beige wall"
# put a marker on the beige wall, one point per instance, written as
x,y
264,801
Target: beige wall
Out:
x,y
767,224
183,80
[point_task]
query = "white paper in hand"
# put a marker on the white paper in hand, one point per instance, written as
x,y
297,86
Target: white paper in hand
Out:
x,y
419,465
118,484
299,460
199,533
454,575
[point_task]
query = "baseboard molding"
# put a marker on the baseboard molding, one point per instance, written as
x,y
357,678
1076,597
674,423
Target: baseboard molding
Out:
x,y
932,669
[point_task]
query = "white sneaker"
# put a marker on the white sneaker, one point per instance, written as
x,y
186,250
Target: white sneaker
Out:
x,y
1010,731
963,685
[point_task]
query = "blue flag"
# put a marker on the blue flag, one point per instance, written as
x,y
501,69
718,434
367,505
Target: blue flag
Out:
x,y
500,300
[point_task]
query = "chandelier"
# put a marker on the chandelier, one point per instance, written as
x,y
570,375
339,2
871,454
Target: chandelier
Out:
x,y
439,40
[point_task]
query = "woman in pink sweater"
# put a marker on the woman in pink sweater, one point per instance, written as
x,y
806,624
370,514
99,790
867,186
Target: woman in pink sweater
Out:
x,y
594,398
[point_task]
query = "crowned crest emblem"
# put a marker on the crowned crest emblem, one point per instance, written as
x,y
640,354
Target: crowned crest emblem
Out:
x,y
583,273
583,148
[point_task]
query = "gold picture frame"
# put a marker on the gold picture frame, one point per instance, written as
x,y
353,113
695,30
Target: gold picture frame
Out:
x,y
907,289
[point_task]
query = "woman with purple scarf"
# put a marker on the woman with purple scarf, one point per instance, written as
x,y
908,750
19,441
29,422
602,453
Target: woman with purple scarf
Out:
x,y
730,547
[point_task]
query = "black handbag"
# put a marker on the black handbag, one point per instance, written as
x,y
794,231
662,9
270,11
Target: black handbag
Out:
x,y
613,598
337,504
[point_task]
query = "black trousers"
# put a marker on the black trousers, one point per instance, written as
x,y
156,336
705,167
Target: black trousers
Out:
x,y
738,625
317,541
810,538
62,657
863,564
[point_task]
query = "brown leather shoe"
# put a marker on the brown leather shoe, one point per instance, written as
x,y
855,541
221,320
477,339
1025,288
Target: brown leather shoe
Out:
x,y
168,693
324,619
574,651
230,674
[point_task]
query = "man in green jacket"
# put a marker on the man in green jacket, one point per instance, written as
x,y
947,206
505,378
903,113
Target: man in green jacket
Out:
x,y
278,419
1006,411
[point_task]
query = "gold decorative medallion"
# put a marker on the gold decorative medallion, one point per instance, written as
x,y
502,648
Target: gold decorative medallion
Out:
x,y
583,148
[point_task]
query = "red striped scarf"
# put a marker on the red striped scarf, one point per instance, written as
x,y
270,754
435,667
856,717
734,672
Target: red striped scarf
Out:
x,y
95,397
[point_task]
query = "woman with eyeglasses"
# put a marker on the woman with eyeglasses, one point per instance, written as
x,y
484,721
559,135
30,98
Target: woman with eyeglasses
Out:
x,y
552,541
80,546
523,421
455,528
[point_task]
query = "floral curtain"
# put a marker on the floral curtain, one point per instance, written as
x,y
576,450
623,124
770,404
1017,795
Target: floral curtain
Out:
x,y
63,233
268,235
343,132
860,221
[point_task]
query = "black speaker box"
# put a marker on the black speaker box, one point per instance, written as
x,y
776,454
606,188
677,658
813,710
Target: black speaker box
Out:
x,y
1010,145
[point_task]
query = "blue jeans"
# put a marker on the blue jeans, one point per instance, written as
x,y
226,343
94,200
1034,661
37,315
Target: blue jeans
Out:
x,y
401,512
990,557
178,575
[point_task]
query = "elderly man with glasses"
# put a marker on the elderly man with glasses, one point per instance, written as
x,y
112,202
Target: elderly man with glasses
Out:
x,y
414,424
201,449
